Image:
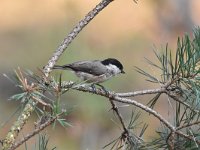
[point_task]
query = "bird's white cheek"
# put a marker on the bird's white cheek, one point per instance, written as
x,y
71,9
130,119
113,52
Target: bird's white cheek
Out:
x,y
113,69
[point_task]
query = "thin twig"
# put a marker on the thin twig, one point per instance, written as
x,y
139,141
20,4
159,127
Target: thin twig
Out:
x,y
33,133
187,137
183,103
115,108
142,92
188,125
125,134
41,101
155,91
170,140
163,89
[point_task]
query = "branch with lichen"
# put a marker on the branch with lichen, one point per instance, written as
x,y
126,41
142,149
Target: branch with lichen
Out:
x,y
18,125
38,129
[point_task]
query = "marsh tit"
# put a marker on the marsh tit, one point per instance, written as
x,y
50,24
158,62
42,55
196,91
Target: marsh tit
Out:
x,y
95,71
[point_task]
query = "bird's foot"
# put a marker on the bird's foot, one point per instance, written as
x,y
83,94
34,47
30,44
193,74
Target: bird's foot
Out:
x,y
104,89
93,88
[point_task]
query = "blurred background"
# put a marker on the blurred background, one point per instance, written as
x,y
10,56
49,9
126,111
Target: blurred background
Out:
x,y
30,31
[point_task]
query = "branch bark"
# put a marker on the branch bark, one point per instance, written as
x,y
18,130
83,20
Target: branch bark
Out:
x,y
142,92
115,108
18,125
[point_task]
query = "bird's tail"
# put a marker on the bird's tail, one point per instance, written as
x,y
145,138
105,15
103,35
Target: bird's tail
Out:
x,y
61,67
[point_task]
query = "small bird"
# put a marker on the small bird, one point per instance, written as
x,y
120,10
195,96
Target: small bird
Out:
x,y
95,71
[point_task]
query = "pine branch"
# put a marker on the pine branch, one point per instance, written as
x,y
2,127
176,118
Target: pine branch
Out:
x,y
125,134
188,125
175,98
34,132
29,108
115,97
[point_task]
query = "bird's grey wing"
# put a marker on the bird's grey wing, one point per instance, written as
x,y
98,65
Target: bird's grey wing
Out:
x,y
91,67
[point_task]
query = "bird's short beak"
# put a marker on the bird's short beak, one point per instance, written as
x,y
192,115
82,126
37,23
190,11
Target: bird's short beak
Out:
x,y
123,72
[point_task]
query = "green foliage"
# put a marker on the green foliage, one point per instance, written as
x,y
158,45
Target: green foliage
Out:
x,y
181,79
130,140
42,143
34,89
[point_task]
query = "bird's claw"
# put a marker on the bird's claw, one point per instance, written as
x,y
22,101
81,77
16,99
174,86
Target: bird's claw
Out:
x,y
104,89
93,88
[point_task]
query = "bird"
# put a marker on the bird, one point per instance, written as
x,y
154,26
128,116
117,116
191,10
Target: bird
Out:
x,y
94,71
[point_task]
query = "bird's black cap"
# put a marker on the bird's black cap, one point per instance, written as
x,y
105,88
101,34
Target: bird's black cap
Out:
x,y
113,61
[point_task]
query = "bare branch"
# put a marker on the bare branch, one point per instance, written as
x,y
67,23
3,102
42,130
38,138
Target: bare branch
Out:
x,y
125,134
156,91
67,40
163,89
115,108
142,92
188,125
187,137
180,101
